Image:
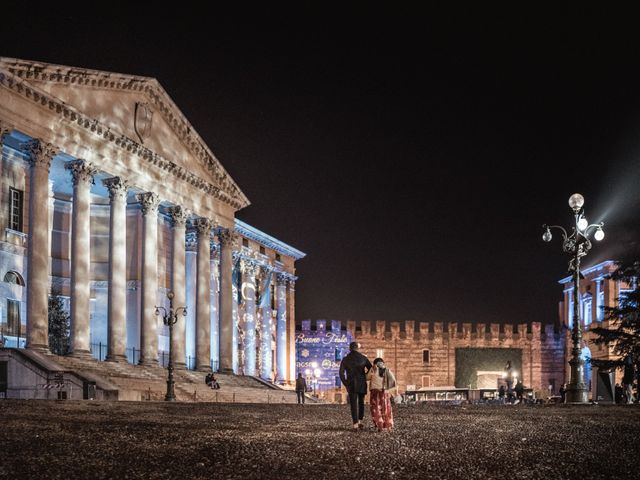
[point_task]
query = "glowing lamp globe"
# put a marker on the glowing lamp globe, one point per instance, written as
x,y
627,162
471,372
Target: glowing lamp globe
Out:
x,y
317,372
582,224
599,235
546,236
576,201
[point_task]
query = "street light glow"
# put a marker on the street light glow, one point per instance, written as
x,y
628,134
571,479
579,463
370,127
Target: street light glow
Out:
x,y
576,201
582,223
599,235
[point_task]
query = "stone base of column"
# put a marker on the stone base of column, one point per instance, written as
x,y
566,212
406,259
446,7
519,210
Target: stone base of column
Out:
x,y
84,354
40,348
204,368
226,371
148,362
116,358
180,366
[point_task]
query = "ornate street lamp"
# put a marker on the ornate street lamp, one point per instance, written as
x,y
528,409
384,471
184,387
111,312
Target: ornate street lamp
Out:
x,y
576,244
170,318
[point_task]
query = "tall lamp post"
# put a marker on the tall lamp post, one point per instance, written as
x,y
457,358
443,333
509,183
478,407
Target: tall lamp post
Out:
x,y
577,245
170,318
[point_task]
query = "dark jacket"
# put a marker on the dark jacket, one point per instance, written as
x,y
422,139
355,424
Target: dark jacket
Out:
x,y
353,370
301,384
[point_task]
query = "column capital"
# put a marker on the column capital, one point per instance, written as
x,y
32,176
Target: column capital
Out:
x,y
281,279
81,171
179,216
41,153
117,188
227,237
203,226
149,202
248,266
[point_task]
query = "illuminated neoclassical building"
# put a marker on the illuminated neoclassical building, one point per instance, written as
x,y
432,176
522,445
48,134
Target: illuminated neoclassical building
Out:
x,y
111,199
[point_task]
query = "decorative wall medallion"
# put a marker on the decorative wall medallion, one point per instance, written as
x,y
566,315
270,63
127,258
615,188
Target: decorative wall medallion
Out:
x,y
142,120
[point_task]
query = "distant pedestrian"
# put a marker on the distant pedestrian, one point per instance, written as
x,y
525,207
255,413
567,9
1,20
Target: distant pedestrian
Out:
x,y
508,370
207,379
501,393
619,393
563,392
353,370
214,382
301,387
519,389
381,380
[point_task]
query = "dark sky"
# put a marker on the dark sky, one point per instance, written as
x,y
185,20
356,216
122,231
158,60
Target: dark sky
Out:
x,y
412,155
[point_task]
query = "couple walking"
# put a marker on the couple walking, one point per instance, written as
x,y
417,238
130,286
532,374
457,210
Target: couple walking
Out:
x,y
355,372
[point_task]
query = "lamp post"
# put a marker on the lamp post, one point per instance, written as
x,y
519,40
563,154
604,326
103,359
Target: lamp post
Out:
x,y
577,245
170,318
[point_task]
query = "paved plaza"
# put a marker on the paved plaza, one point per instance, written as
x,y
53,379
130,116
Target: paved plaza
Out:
x,y
48,439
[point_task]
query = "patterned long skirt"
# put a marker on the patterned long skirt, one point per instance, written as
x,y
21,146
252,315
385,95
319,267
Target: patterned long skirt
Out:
x,y
381,411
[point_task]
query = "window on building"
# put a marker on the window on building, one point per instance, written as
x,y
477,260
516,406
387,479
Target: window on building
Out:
x,y
570,310
380,353
278,257
13,317
600,301
586,310
245,242
262,250
14,277
426,380
425,356
15,209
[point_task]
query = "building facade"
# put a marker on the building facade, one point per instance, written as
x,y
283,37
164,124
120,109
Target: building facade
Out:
x,y
597,291
110,199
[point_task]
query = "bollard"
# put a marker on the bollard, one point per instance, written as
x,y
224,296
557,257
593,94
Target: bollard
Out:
x,y
216,397
268,399
234,397
195,396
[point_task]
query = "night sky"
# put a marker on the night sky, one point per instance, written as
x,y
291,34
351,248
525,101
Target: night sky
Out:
x,y
413,156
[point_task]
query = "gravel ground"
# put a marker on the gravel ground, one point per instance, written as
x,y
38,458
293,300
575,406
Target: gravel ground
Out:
x,y
91,440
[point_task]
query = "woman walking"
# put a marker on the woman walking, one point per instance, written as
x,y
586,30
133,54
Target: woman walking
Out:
x,y
381,380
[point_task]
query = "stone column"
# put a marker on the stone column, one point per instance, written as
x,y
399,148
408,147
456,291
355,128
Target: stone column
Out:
x,y
281,327
215,310
266,354
39,247
179,217
291,329
228,332
203,301
148,320
82,173
117,300
249,269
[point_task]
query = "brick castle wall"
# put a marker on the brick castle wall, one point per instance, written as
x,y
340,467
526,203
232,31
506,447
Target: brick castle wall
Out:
x,y
401,344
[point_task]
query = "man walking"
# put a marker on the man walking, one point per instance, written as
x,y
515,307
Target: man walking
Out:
x,y
301,387
353,370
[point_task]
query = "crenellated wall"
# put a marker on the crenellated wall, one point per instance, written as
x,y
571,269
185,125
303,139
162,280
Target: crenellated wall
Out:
x,y
401,344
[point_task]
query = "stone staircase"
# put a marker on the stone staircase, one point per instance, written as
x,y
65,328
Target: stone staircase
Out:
x,y
141,382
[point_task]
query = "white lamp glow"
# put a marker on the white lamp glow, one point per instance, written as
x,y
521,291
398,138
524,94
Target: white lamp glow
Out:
x,y
599,235
582,224
576,201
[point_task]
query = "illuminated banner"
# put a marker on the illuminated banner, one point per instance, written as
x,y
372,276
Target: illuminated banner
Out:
x,y
318,354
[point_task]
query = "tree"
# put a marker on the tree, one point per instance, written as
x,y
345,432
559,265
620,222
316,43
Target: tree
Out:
x,y
59,326
624,332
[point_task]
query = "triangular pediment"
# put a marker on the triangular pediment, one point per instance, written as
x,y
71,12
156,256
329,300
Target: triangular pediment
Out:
x,y
134,108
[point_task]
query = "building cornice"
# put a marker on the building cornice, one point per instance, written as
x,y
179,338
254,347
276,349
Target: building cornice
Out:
x,y
586,271
16,74
268,241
